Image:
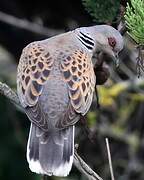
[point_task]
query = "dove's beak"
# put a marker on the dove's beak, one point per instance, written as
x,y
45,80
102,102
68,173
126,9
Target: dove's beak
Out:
x,y
114,56
115,59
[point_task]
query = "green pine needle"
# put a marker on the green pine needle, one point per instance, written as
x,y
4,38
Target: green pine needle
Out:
x,y
134,17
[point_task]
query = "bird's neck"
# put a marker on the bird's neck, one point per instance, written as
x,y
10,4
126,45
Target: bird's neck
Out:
x,y
85,39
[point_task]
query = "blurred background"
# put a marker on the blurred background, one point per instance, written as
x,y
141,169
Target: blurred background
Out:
x,y
121,98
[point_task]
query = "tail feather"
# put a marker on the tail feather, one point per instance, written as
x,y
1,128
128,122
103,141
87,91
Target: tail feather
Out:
x,y
50,153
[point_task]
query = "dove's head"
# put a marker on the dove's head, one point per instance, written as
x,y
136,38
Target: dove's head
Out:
x,y
107,39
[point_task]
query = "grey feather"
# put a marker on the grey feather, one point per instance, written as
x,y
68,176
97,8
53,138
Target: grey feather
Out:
x,y
52,150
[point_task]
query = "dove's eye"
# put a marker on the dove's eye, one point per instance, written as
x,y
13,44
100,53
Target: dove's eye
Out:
x,y
112,41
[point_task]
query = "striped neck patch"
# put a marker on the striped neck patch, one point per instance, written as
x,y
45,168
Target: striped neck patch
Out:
x,y
86,40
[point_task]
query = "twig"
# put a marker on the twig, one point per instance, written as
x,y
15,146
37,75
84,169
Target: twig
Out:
x,y
9,93
140,61
123,29
78,162
29,26
109,159
84,168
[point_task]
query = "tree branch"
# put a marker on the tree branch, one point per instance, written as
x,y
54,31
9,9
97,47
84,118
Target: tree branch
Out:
x,y
78,162
9,93
29,26
84,168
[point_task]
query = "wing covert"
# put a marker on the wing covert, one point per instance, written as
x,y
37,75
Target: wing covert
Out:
x,y
79,75
34,68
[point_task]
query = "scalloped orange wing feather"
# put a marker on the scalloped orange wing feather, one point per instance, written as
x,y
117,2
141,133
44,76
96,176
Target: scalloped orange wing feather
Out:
x,y
33,71
79,75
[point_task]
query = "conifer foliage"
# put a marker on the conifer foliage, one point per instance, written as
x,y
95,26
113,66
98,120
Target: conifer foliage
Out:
x,y
102,11
134,17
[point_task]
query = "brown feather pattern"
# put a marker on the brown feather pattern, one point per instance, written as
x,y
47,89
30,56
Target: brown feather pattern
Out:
x,y
78,73
33,71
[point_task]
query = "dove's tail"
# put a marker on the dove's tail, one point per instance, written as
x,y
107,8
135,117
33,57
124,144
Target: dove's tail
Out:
x,y
50,153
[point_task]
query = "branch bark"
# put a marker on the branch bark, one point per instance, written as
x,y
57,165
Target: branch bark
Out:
x,y
78,162
84,168
29,26
9,93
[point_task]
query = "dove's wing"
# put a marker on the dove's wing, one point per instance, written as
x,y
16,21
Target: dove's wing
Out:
x,y
33,71
79,75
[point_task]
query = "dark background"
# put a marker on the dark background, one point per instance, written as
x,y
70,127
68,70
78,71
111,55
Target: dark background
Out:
x,y
120,117
62,14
